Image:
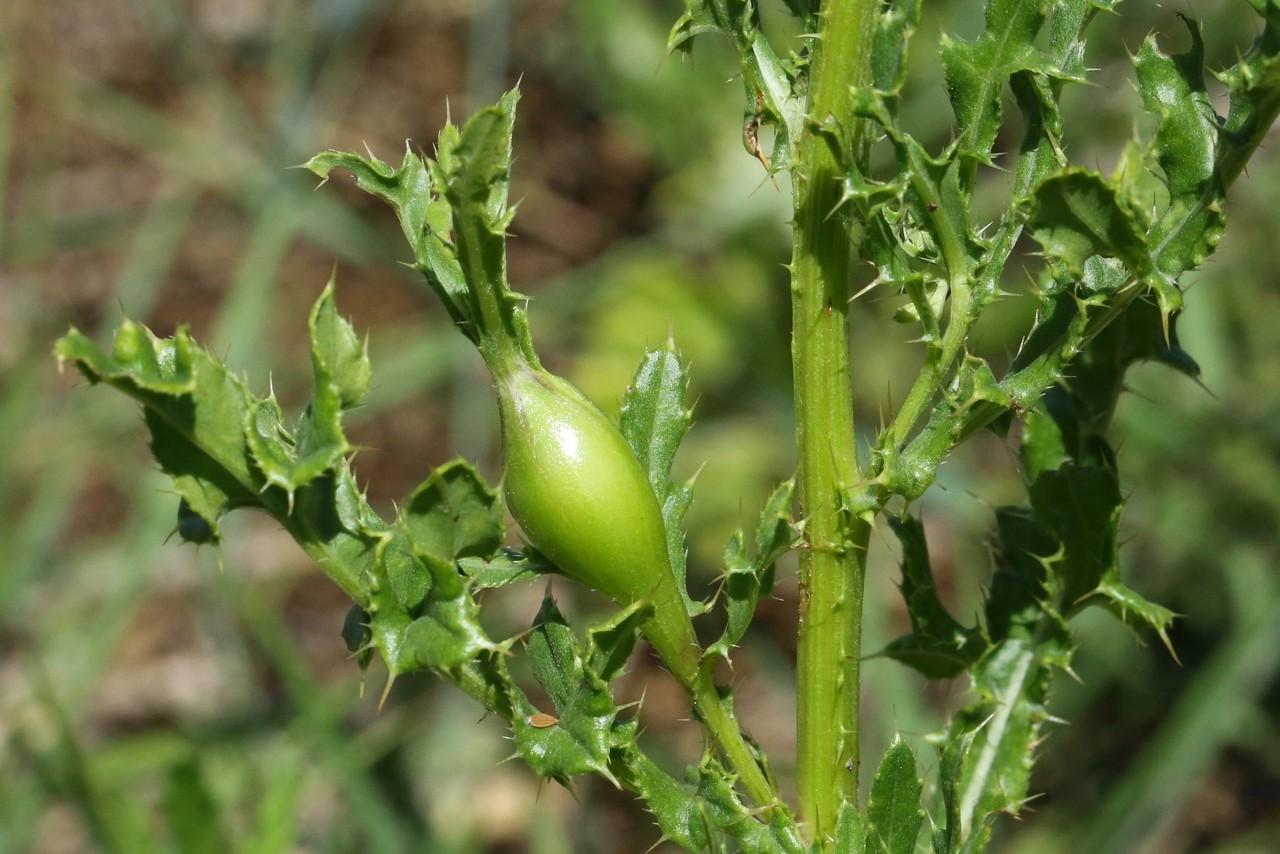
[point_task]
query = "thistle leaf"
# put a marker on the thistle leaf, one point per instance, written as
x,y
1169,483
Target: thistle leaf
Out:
x,y
340,367
226,448
194,407
1254,84
893,811
1080,508
611,642
583,734
454,515
1078,214
506,567
989,747
895,26
851,828
1186,147
654,420
976,70
705,811
448,633
747,578
339,359
938,646
453,211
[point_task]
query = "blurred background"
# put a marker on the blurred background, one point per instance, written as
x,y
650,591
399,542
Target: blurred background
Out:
x,y
159,697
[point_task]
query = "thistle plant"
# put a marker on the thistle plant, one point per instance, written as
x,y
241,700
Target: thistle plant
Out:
x,y
597,502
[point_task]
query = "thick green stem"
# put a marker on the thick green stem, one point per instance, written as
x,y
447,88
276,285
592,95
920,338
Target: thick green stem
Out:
x,y
833,557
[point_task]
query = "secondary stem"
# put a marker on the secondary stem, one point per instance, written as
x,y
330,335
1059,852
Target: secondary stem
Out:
x,y
723,727
833,559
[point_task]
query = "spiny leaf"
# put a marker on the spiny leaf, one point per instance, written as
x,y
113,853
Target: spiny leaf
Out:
x,y
448,633
1172,88
954,748
425,217
1044,447
895,26
851,828
1071,420
1186,146
453,514
776,533
1254,84
454,212
506,567
930,230
1133,609
1066,31
340,369
894,809
654,420
424,614
138,359
976,70
721,812
340,361
611,642
938,646
895,262
1019,602
747,578
704,812
290,461
226,448
405,571
1078,214
1039,156
477,171
989,746
1054,555
195,409
733,18
584,733
1081,508
976,383
1040,153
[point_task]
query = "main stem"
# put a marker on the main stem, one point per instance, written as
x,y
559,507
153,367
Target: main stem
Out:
x,y
833,557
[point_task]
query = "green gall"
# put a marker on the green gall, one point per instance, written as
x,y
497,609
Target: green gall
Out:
x,y
583,500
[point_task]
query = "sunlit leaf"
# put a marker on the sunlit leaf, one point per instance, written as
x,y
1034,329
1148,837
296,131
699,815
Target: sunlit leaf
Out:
x,y
654,420
894,809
